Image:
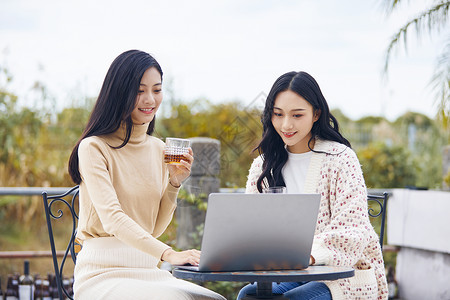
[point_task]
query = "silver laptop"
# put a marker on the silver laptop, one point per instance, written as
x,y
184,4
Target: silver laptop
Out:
x,y
252,232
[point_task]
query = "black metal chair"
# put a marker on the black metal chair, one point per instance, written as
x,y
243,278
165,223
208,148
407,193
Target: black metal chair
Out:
x,y
50,202
381,201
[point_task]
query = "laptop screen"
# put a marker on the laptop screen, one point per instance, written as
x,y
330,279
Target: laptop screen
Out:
x,y
248,232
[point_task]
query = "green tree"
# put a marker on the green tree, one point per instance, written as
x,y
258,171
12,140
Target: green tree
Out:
x,y
35,144
430,21
236,127
366,130
19,129
425,139
387,166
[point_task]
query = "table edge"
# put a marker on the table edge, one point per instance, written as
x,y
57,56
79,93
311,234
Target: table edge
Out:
x,y
261,277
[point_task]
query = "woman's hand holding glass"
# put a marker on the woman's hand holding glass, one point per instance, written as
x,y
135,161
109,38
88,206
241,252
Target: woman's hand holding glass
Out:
x,y
179,172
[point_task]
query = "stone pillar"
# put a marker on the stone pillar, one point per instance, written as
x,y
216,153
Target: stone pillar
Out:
x,y
203,181
418,224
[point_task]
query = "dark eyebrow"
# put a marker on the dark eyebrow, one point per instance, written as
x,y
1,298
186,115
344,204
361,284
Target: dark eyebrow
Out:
x,y
153,85
298,109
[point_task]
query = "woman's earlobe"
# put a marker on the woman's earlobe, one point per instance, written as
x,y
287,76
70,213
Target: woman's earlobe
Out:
x,y
317,115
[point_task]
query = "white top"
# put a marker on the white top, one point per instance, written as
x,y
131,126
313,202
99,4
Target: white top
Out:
x,y
294,171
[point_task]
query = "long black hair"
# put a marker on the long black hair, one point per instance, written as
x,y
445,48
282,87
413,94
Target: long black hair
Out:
x,y
116,101
271,146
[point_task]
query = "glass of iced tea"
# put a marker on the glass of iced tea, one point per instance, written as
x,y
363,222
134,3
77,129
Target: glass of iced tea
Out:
x,y
174,150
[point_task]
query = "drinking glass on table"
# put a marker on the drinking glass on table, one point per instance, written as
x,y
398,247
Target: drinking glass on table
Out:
x,y
174,150
275,190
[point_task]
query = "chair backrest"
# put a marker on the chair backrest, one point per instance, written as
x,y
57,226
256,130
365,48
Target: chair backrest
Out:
x,y
381,201
54,212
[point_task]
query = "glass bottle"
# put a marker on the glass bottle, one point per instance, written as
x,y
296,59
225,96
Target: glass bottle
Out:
x,y
37,288
1,291
26,287
66,286
11,292
54,288
50,279
15,283
46,290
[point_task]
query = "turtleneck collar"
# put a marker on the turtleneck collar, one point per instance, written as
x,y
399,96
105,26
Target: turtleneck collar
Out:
x,y
138,133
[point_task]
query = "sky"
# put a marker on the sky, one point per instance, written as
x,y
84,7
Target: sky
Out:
x,y
224,50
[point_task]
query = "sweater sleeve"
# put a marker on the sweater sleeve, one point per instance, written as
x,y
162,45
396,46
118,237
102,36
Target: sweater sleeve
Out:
x,y
348,232
166,210
93,166
253,175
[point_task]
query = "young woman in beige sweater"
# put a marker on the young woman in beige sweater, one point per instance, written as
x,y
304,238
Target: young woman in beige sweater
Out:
x,y
302,149
127,193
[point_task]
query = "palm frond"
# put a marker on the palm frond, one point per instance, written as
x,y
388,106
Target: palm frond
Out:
x,y
432,19
390,5
440,84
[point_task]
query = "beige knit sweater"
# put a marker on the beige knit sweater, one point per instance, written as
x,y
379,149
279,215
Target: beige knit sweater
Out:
x,y
125,192
126,202
344,235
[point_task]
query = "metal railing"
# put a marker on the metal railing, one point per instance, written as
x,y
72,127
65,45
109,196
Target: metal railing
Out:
x,y
37,191
30,191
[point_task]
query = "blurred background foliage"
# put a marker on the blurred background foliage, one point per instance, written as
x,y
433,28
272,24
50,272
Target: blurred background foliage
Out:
x,y
36,141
